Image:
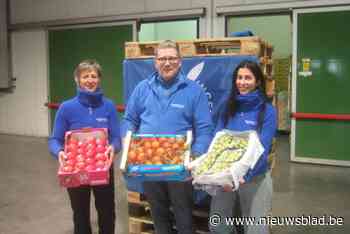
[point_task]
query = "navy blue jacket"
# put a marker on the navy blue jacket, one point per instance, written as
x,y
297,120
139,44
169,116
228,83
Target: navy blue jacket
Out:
x,y
159,107
246,118
86,110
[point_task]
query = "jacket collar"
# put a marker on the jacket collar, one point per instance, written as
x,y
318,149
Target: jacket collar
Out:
x,y
90,99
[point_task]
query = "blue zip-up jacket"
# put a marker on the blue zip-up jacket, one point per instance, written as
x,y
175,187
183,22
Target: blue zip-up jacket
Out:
x,y
246,118
86,110
159,107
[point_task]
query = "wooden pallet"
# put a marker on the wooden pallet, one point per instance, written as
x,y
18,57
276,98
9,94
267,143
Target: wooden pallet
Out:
x,y
205,47
140,221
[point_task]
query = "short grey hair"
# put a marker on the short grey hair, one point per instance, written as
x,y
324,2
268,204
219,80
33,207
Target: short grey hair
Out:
x,y
88,64
167,44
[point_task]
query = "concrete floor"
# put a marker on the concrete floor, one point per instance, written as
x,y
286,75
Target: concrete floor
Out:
x,y
31,202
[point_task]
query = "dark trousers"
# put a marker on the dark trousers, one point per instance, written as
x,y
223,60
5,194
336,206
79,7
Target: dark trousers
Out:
x,y
104,203
162,196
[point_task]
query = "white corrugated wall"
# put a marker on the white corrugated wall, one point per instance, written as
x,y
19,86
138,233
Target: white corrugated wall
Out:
x,y
22,111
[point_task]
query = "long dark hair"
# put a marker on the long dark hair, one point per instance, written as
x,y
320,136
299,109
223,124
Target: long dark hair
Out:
x,y
260,80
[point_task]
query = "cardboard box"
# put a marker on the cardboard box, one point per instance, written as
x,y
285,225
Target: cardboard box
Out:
x,y
87,162
156,157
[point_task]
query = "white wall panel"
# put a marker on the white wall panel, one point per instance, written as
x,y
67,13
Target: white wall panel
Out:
x,y
21,11
161,5
269,1
85,8
200,3
44,10
228,2
25,110
112,7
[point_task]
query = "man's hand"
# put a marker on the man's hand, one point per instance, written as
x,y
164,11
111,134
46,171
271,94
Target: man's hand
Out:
x,y
110,152
62,157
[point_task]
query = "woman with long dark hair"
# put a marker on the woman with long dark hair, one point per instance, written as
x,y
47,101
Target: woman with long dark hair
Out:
x,y
248,109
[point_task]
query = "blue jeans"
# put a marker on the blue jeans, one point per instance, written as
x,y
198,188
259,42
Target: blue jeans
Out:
x,y
163,195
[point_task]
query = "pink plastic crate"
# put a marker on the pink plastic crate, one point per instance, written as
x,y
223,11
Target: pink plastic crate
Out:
x,y
87,162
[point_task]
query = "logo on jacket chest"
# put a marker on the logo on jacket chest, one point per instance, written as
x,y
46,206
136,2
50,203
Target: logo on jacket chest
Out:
x,y
102,120
175,105
250,122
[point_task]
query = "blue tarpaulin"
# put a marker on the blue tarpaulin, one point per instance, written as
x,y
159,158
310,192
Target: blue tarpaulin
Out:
x,y
213,73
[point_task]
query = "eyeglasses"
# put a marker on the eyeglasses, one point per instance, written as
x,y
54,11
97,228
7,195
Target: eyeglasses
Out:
x,y
170,59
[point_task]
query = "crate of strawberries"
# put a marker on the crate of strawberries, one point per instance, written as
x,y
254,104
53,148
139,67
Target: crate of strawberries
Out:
x,y
87,161
156,157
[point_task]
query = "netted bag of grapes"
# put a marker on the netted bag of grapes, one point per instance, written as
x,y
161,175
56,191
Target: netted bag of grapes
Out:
x,y
230,155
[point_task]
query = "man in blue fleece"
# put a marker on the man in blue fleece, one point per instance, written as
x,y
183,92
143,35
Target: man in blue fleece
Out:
x,y
89,108
169,103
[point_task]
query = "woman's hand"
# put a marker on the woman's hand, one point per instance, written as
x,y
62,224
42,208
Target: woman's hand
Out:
x,y
241,181
62,157
227,188
110,152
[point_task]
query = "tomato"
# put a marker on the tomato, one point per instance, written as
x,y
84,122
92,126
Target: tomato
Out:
x,y
71,155
89,160
72,148
100,149
91,140
91,153
101,157
80,165
81,150
80,158
90,167
91,146
70,162
101,141
81,144
67,168
100,164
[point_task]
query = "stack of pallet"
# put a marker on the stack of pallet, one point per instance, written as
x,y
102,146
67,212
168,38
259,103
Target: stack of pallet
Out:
x,y
215,47
140,221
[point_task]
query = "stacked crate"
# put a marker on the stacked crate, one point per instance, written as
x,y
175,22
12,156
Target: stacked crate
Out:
x,y
215,47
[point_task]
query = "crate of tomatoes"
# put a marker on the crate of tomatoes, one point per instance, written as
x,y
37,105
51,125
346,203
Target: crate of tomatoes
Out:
x,y
156,157
87,161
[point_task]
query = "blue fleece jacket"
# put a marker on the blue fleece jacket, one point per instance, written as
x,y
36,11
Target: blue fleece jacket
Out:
x,y
245,118
160,107
86,110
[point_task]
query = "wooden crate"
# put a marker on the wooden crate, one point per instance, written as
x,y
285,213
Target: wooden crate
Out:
x,y
205,47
